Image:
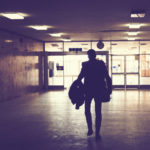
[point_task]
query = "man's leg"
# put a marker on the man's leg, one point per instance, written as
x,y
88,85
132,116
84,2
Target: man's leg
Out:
x,y
98,119
88,115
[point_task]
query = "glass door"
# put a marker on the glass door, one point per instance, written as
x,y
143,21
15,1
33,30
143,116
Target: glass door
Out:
x,y
64,67
132,71
55,68
73,64
118,71
125,71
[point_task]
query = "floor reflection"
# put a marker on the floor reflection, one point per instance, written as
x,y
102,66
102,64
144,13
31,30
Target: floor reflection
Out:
x,y
49,121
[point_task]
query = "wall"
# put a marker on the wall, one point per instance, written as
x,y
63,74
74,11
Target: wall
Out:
x,y
20,65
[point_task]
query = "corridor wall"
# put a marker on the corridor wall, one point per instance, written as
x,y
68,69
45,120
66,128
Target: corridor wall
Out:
x,y
20,71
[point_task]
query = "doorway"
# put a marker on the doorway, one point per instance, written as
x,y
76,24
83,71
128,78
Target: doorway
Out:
x,y
63,68
125,71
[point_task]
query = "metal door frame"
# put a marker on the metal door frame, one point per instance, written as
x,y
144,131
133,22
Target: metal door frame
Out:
x,y
125,73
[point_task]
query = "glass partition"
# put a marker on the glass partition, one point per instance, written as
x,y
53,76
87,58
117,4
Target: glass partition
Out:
x,y
145,69
145,47
117,64
118,79
132,64
129,61
132,79
125,47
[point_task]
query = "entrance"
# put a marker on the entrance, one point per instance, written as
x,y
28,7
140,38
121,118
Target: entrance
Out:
x,y
125,71
64,67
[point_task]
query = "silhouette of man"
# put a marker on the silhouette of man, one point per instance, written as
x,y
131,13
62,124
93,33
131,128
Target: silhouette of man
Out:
x,y
94,73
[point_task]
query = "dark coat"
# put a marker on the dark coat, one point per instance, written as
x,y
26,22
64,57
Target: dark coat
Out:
x,y
76,93
96,77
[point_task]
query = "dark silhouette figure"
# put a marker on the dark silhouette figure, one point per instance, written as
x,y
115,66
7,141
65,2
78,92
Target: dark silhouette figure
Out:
x,y
95,76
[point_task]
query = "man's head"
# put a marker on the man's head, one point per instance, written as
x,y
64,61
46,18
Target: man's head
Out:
x,y
91,54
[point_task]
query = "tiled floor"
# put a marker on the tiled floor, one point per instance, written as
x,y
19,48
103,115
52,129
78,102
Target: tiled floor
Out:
x,y
48,121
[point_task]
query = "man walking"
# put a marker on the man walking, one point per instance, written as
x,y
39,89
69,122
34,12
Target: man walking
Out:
x,y
95,76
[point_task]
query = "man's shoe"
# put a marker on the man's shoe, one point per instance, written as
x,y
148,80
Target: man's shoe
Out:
x,y
90,132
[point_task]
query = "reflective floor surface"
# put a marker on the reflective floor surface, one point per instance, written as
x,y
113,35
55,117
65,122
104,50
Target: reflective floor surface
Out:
x,y
48,121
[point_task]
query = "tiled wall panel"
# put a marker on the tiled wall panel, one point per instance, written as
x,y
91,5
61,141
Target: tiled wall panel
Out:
x,y
19,74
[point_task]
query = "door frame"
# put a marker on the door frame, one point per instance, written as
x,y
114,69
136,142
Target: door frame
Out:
x,y
125,73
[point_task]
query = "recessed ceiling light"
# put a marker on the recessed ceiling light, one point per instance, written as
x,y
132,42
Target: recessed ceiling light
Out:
x,y
141,15
133,33
134,26
55,34
138,14
131,38
40,27
14,15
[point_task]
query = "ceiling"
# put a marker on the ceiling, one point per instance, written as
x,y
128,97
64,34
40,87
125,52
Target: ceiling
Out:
x,y
79,19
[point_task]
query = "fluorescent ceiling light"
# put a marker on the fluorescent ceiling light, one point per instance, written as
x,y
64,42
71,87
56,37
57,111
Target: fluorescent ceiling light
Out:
x,y
138,14
40,27
14,15
55,34
131,38
8,41
133,33
134,26
66,40
141,15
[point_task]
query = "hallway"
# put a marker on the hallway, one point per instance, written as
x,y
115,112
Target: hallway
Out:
x,y
48,121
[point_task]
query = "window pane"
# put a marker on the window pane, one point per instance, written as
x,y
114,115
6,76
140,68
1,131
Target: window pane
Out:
x,y
132,79
118,79
129,47
54,47
145,47
55,70
132,63
145,69
84,45
117,64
